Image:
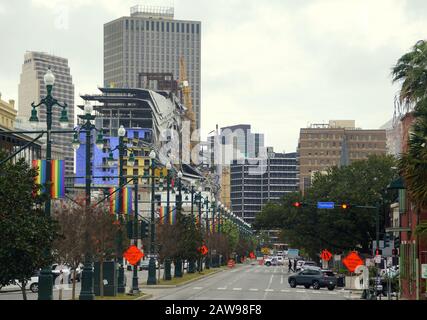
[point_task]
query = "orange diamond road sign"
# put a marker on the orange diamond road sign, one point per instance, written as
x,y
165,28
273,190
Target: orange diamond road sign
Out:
x,y
133,255
326,255
231,263
352,261
203,250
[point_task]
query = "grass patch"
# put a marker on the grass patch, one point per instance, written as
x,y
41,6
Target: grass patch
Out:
x,y
122,296
189,276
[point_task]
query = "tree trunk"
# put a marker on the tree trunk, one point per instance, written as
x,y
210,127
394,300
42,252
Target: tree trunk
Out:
x,y
24,292
101,277
74,285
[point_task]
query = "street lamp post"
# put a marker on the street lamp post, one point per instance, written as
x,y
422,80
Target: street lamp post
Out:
x,y
168,183
199,203
178,261
191,262
87,291
207,264
152,263
135,287
121,132
45,278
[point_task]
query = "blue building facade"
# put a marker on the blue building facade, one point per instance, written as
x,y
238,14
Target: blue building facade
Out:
x,y
103,174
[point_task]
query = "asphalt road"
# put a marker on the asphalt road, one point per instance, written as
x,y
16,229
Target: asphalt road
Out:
x,y
247,282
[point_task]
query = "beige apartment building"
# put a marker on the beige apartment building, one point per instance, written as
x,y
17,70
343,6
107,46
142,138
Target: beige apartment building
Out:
x,y
336,143
7,114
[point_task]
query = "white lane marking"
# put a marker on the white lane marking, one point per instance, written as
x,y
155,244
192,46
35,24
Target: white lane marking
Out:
x,y
198,288
237,289
284,290
281,279
301,291
253,289
223,288
332,293
318,292
269,290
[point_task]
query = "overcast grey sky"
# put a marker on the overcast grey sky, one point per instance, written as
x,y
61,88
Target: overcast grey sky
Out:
x,y
275,64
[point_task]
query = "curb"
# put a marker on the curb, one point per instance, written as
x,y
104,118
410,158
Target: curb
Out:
x,y
144,297
167,286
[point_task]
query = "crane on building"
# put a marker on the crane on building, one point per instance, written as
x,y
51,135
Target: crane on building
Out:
x,y
186,97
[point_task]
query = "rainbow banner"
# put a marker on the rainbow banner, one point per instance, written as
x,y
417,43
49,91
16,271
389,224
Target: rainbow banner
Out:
x,y
57,169
126,203
172,216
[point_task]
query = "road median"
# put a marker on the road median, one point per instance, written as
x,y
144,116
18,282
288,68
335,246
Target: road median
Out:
x,y
186,278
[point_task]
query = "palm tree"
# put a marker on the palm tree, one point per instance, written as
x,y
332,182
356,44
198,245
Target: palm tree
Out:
x,y
411,70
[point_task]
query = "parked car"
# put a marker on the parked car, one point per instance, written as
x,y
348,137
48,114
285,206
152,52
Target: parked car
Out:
x,y
32,284
271,261
301,264
316,278
145,263
280,260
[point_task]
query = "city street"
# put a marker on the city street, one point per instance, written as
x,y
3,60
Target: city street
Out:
x,y
244,282
247,282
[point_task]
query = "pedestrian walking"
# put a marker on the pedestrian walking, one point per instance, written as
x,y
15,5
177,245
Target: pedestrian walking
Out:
x,y
290,266
295,265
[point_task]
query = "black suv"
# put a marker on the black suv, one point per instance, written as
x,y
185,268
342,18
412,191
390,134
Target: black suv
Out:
x,y
316,278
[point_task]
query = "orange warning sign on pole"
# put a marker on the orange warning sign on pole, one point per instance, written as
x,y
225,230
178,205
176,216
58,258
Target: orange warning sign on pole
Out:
x,y
133,255
352,261
326,255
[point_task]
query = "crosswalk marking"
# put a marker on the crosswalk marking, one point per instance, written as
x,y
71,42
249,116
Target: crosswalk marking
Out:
x,y
269,290
223,288
237,289
253,289
301,291
284,290
332,293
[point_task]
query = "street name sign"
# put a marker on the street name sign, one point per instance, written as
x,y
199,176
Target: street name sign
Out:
x,y
325,205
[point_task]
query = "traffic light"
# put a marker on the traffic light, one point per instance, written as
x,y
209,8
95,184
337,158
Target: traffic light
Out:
x,y
297,204
397,242
395,252
144,229
345,206
387,239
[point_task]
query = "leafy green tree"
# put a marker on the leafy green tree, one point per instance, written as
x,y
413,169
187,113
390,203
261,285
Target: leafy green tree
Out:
x,y
26,234
231,233
310,229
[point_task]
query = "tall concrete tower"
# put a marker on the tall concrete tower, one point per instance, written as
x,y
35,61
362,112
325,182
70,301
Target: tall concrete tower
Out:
x,y
32,89
151,41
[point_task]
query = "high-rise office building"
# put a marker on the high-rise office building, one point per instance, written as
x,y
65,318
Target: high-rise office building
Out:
x,y
150,40
256,181
32,89
337,143
232,143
